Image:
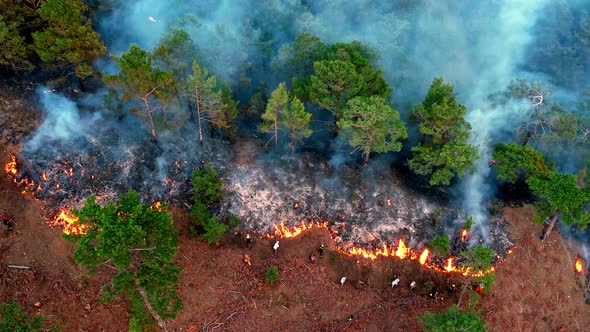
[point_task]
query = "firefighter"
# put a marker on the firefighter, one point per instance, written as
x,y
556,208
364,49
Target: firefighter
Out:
x,y
248,241
276,248
6,220
395,282
412,285
433,293
312,258
322,249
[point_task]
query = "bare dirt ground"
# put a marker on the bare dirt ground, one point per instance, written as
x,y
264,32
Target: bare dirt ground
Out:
x,y
536,288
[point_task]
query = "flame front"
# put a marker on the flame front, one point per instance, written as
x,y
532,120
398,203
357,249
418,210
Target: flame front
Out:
x,y
424,256
11,168
69,222
450,267
402,251
463,235
284,231
579,266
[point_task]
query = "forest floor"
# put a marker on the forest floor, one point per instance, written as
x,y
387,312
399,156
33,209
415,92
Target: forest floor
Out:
x,y
536,288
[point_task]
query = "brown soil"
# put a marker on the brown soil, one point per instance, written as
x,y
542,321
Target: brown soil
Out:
x,y
536,288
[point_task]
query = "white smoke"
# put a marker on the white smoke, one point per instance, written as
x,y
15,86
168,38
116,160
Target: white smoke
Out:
x,y
504,46
61,123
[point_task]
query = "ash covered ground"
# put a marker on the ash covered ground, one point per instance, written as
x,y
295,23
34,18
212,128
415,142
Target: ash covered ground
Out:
x,y
77,153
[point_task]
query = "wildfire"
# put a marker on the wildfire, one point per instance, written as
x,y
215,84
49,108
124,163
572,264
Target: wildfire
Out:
x,y
44,176
284,231
158,206
578,265
463,235
424,256
11,168
450,267
69,223
402,251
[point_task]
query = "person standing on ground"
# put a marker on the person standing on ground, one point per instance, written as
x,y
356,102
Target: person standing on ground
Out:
x,y
322,249
312,258
395,281
6,220
248,241
276,248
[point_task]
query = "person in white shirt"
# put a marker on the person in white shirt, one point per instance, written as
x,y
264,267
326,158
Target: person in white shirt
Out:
x,y
395,282
276,248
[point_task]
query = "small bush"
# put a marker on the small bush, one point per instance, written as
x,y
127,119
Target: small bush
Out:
x,y
468,223
14,318
439,245
206,186
213,231
233,221
199,216
272,274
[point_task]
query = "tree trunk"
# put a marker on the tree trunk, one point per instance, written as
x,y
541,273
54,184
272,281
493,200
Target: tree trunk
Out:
x,y
336,129
149,307
198,104
367,157
149,114
462,293
276,136
293,138
81,82
551,225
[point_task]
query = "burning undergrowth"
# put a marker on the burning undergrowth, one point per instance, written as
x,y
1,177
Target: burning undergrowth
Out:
x,y
366,209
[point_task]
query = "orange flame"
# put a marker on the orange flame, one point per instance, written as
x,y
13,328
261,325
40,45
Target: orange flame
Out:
x,y
402,251
158,206
44,176
449,267
424,256
69,222
578,265
284,231
463,235
11,168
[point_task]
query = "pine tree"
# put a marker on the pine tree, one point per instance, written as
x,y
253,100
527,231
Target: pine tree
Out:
x,y
296,120
277,105
375,126
139,80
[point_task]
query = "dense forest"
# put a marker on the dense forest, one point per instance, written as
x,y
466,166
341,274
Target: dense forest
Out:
x,y
468,102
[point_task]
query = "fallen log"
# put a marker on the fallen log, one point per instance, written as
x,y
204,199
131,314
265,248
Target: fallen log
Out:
x,y
13,266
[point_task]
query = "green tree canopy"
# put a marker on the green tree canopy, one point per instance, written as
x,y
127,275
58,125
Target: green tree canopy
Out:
x,y
296,120
443,152
277,104
139,80
207,186
68,37
333,84
14,51
515,162
440,245
375,126
140,242
560,196
453,320
176,52
202,90
14,318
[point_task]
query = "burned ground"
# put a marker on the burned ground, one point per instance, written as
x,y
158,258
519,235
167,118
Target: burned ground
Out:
x,y
536,288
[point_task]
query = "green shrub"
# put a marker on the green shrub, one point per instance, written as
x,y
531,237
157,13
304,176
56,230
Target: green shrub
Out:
x,y
233,221
468,223
272,274
13,318
439,245
213,231
199,216
206,186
